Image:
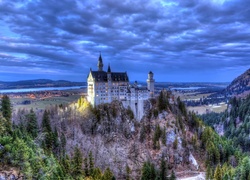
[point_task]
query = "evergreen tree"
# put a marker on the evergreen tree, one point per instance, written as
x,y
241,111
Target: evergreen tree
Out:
x,y
172,177
218,173
66,164
209,172
6,107
148,171
6,112
163,139
128,172
46,128
156,137
163,103
3,125
77,162
142,133
245,169
56,143
63,144
32,125
97,174
46,122
91,163
108,175
163,169
182,106
86,167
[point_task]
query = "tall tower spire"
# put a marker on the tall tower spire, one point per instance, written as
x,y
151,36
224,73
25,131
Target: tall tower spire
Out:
x,y
151,84
100,64
109,69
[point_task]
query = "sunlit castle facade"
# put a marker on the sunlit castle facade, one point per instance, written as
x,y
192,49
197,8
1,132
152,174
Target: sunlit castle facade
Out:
x,y
104,87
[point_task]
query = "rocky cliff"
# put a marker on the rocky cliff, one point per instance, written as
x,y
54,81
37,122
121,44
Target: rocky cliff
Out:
x,y
117,140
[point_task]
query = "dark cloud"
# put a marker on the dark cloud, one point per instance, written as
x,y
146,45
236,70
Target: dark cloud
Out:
x,y
208,39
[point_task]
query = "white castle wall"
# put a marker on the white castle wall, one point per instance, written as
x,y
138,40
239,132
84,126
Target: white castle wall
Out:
x,y
137,106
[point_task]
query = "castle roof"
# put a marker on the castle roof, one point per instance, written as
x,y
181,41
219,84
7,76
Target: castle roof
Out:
x,y
101,76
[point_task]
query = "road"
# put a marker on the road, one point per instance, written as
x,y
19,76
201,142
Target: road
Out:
x,y
200,176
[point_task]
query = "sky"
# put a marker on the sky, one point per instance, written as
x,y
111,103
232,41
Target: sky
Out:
x,y
178,40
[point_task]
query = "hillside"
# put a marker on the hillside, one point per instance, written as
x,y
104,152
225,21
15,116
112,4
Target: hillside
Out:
x,y
118,141
81,141
38,83
234,122
240,85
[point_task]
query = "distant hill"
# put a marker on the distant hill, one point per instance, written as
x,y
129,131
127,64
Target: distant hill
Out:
x,y
240,85
38,83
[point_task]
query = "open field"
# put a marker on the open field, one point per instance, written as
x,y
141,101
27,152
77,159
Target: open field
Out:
x,y
43,99
37,104
191,95
210,108
198,97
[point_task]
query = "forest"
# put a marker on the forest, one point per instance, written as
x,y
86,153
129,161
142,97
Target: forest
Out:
x,y
38,145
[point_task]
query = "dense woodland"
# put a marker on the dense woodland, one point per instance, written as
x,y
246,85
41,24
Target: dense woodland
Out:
x,y
39,144
235,122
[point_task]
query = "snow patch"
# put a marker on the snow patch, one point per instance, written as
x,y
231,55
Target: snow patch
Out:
x,y
163,115
170,137
132,128
193,161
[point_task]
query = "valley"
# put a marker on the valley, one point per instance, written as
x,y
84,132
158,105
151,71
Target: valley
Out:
x,y
118,141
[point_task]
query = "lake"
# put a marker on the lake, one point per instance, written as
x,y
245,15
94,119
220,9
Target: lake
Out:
x,y
4,91
187,88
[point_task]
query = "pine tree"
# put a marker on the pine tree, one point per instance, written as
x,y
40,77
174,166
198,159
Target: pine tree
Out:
x,y
162,101
86,167
172,177
63,144
6,107
77,162
32,125
182,106
218,173
148,171
108,175
56,143
245,170
163,139
3,122
6,112
163,169
142,133
97,174
46,122
209,173
66,164
156,137
46,128
128,172
91,163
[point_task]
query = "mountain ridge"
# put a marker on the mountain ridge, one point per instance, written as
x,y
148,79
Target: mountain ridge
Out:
x,y
239,86
38,83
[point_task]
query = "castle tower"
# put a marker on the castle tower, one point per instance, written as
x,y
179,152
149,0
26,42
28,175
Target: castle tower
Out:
x,y
109,74
109,78
100,64
151,84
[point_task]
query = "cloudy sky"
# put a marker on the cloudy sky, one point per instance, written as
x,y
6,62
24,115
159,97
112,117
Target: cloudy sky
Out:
x,y
179,40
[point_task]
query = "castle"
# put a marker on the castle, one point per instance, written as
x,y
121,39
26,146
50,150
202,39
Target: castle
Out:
x,y
104,87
